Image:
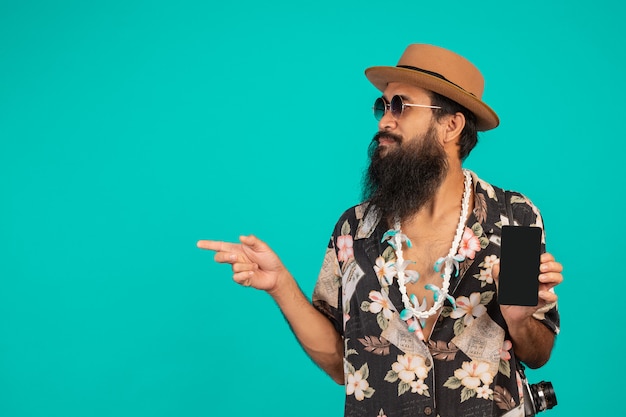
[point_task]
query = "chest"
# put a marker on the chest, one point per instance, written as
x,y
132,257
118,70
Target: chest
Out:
x,y
423,257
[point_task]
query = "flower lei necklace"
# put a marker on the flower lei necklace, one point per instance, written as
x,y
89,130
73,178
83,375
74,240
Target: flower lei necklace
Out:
x,y
414,312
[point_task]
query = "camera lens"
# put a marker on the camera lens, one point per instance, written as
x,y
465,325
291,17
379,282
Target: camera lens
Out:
x,y
543,395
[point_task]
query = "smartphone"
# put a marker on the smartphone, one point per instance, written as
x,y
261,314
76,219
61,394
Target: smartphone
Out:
x,y
519,265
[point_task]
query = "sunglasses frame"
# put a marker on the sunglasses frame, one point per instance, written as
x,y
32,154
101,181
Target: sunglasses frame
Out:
x,y
393,108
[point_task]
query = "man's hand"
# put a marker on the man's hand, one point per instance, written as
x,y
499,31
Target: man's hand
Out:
x,y
253,263
549,277
532,340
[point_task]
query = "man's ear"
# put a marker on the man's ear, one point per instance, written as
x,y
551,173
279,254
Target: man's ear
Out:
x,y
454,124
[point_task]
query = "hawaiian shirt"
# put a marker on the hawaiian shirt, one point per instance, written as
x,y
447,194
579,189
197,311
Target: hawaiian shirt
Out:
x,y
467,367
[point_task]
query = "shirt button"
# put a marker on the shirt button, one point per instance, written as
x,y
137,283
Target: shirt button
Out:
x,y
428,411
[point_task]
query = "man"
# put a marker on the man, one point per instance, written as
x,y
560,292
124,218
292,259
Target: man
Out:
x,y
405,311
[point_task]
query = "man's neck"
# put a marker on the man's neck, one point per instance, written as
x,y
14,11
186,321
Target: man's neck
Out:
x,y
445,203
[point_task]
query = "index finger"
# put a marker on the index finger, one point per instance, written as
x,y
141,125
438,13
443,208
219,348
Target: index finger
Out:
x,y
216,245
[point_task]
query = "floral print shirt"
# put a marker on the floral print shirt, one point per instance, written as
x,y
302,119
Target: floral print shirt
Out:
x,y
467,366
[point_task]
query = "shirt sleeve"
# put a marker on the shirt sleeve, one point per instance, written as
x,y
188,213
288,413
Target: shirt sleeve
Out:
x,y
327,293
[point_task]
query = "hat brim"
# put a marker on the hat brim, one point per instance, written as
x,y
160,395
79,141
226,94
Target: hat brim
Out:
x,y
381,76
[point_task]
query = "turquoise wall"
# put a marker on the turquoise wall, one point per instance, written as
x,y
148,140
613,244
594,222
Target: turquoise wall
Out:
x,y
130,129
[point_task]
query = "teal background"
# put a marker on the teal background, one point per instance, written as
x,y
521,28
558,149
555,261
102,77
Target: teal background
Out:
x,y
130,129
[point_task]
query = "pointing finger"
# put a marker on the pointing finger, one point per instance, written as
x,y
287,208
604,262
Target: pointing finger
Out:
x,y
216,245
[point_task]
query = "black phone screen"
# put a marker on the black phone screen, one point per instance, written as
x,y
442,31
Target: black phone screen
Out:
x,y
519,265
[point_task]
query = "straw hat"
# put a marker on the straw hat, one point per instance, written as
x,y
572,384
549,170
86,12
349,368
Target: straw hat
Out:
x,y
442,71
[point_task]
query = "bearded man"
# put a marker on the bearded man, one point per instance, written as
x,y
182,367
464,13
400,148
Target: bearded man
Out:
x,y
405,312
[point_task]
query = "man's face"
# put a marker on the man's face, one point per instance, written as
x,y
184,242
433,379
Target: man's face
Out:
x,y
412,124
408,161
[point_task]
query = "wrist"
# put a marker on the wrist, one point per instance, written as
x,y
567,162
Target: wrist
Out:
x,y
282,285
521,327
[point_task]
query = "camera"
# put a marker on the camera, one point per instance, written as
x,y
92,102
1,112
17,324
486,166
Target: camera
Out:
x,y
537,397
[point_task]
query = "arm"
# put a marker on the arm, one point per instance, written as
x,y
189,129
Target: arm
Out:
x,y
255,265
314,331
532,341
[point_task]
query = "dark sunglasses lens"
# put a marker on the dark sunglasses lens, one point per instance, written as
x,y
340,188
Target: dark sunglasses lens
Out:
x,y
396,106
379,108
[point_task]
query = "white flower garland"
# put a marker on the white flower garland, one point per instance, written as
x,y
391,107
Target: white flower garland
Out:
x,y
413,309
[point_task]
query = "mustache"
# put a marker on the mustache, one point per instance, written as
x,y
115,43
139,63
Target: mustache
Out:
x,y
386,135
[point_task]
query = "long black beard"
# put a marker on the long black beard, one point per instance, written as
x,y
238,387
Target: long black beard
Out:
x,y
401,179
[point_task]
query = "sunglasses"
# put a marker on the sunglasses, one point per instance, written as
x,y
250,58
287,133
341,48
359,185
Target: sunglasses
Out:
x,y
396,106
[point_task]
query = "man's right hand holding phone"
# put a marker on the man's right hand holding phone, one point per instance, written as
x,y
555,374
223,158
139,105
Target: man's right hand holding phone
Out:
x,y
532,340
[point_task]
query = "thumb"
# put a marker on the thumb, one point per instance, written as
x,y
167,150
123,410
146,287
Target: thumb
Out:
x,y
253,243
495,273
